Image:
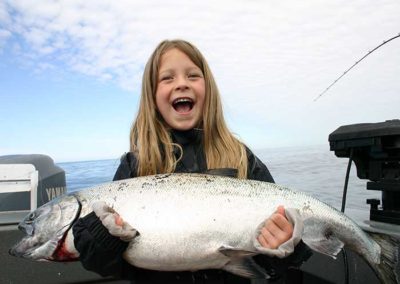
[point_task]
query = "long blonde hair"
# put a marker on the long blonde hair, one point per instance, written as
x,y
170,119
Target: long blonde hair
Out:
x,y
150,138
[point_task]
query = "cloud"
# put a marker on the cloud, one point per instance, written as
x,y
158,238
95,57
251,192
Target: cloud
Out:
x,y
278,54
4,14
111,37
4,35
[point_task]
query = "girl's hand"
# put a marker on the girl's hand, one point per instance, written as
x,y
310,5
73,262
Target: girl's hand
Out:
x,y
114,223
276,230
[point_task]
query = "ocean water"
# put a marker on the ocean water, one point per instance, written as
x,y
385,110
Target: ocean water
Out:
x,y
317,171
313,169
84,174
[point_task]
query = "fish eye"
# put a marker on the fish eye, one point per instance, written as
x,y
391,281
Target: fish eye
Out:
x,y
31,217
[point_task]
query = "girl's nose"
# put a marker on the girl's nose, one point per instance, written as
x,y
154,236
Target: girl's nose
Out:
x,y
181,84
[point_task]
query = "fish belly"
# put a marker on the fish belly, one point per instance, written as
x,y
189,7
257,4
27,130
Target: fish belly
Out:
x,y
180,232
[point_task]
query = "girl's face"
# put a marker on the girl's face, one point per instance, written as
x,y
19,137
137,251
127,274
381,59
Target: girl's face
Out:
x,y
180,90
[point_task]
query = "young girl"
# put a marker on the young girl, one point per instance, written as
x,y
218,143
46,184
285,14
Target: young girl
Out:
x,y
180,128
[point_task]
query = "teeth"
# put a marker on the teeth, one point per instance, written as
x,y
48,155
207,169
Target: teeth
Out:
x,y
182,100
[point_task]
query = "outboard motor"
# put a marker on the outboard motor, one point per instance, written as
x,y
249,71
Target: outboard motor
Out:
x,y
51,182
375,150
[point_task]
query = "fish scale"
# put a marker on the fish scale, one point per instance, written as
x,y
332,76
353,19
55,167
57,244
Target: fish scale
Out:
x,y
197,221
169,209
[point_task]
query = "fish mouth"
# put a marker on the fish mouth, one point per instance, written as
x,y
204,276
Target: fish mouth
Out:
x,y
27,247
183,104
46,232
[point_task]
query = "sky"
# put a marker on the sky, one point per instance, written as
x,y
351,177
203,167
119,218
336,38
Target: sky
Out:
x,y
70,71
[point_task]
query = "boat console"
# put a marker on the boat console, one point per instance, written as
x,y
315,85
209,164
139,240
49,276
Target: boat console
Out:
x,y
375,150
27,182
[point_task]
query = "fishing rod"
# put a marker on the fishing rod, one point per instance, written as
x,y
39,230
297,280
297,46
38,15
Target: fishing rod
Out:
x,y
352,66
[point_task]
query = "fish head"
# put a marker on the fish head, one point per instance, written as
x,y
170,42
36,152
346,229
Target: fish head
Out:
x,y
46,228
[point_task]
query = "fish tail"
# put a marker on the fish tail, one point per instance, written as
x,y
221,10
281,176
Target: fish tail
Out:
x,y
388,270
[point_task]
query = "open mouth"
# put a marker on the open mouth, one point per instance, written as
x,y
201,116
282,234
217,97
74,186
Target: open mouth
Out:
x,y
183,105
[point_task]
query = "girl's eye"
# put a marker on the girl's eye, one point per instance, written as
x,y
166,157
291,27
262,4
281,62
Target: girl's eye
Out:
x,y
165,78
194,76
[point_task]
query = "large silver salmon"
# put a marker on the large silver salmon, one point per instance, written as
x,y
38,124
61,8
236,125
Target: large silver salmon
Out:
x,y
196,221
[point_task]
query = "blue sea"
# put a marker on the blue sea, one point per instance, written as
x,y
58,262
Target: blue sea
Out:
x,y
312,169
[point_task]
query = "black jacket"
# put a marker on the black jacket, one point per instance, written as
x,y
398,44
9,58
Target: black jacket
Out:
x,y
102,253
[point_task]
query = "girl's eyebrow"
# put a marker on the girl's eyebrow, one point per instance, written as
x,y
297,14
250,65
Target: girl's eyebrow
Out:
x,y
165,70
193,68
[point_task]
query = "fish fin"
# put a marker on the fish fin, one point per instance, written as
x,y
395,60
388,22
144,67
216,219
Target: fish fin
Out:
x,y
388,270
235,252
321,238
241,263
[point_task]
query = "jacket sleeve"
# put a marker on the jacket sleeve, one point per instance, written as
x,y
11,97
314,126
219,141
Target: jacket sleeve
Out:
x,y
256,169
274,266
99,250
278,267
127,167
